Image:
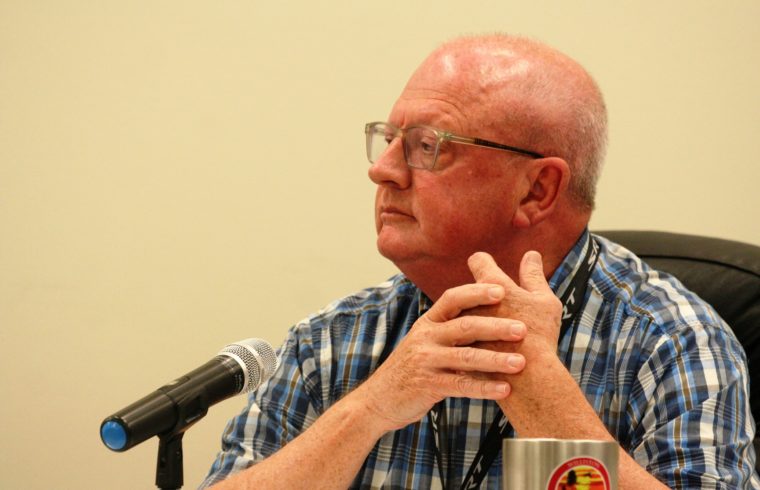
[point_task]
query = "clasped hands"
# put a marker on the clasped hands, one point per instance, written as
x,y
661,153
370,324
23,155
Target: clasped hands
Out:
x,y
469,343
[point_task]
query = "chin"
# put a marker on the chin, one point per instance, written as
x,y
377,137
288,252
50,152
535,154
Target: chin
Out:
x,y
390,252
397,250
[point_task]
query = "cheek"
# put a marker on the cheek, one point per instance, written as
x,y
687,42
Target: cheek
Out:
x,y
473,215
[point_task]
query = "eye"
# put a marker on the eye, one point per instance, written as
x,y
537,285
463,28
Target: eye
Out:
x,y
424,140
427,146
387,133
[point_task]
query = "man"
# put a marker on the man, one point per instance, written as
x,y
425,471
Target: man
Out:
x,y
485,176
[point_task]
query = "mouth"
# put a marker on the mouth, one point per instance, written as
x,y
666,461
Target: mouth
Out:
x,y
392,209
392,212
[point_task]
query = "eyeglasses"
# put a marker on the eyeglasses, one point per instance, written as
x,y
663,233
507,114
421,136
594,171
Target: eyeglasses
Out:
x,y
423,143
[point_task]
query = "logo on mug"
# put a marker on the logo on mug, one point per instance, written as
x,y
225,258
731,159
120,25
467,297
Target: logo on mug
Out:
x,y
584,473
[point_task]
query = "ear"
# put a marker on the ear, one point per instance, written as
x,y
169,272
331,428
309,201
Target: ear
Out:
x,y
548,179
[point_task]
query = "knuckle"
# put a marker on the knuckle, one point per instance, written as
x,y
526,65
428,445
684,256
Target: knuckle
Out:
x,y
438,381
536,273
418,329
498,359
488,277
419,355
499,324
421,332
467,355
465,325
447,295
463,384
483,387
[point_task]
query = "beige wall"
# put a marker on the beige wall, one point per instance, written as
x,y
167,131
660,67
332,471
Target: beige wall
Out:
x,y
177,175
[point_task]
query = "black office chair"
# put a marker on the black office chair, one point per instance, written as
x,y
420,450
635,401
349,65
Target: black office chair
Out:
x,y
724,273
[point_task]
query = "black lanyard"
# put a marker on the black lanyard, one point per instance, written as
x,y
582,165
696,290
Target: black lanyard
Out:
x,y
572,301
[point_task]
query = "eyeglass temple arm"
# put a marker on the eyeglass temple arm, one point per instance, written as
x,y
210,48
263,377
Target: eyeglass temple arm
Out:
x,y
490,144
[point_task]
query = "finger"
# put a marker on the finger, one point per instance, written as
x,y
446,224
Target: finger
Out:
x,y
532,276
472,359
496,345
455,300
485,269
466,386
466,330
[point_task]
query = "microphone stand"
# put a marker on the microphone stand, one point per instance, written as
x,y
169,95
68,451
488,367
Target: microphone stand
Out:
x,y
191,407
169,470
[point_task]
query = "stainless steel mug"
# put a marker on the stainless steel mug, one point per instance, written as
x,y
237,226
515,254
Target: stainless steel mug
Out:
x,y
558,464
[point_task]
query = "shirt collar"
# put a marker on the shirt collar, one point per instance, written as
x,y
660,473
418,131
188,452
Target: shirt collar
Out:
x,y
564,274
425,303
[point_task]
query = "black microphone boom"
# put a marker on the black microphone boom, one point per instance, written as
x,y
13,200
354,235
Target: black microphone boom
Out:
x,y
171,409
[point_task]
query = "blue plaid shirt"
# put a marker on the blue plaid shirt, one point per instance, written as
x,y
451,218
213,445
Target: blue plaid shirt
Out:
x,y
663,371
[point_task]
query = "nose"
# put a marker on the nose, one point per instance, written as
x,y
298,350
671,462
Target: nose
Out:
x,y
390,168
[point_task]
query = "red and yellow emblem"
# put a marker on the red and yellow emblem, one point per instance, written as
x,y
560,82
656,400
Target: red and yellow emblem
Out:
x,y
583,473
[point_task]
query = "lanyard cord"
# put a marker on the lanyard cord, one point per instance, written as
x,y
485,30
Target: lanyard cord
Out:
x,y
500,427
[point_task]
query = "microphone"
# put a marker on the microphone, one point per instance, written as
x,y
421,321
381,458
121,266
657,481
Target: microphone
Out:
x,y
173,408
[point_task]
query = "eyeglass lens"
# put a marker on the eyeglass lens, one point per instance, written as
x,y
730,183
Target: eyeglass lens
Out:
x,y
420,144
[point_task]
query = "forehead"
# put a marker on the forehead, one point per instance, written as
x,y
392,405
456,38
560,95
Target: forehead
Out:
x,y
432,108
461,90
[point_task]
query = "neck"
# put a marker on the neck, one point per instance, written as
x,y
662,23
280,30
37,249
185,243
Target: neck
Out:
x,y
434,277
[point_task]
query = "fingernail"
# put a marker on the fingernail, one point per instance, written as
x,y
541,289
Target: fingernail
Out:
x,y
534,257
517,329
496,292
502,387
515,361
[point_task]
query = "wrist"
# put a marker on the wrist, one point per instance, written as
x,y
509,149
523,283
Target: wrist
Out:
x,y
538,349
361,407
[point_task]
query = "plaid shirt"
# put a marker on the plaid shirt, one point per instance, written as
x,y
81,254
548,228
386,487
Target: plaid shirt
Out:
x,y
663,371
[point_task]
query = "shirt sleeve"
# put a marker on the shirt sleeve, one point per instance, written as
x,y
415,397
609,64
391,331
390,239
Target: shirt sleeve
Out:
x,y
694,427
276,413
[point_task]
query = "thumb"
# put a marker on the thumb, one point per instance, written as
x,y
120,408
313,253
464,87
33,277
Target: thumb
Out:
x,y
485,270
532,272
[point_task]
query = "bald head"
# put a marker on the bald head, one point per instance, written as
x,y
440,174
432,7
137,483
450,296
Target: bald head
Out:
x,y
530,95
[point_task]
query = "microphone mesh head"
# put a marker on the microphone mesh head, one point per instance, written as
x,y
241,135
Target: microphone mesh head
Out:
x,y
256,357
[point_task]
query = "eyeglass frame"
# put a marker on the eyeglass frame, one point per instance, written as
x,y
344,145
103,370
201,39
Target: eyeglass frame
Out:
x,y
441,135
